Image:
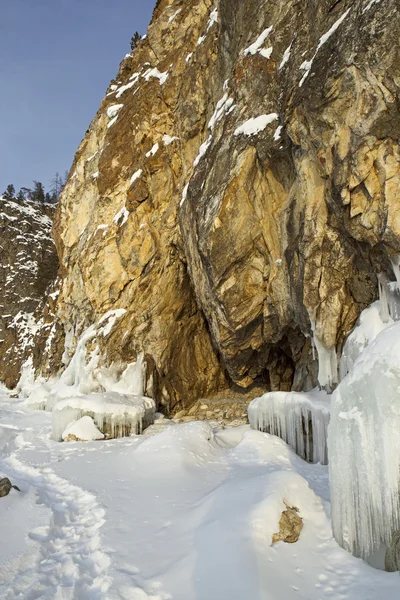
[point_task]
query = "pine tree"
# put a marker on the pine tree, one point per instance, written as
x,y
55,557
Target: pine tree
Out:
x,y
26,193
38,193
21,195
9,194
134,41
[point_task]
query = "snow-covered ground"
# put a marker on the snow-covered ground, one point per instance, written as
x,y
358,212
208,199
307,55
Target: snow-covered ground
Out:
x,y
184,514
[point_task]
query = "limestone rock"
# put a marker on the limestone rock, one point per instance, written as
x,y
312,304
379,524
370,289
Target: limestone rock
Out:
x,y
290,526
392,559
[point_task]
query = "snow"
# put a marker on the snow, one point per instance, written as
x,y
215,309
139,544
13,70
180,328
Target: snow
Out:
x,y
370,5
189,56
84,373
213,19
187,514
202,150
121,90
174,15
167,139
111,123
300,419
155,73
223,106
368,326
256,47
364,448
277,134
136,175
306,65
286,57
184,194
84,430
153,151
256,124
124,213
113,110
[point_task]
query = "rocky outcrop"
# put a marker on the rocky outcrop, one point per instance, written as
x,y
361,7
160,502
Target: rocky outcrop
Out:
x,y
28,268
236,193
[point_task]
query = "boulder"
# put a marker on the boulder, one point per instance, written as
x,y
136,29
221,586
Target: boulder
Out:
x,y
5,487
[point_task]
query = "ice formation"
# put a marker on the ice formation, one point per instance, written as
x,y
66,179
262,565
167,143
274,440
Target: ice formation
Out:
x,y
300,419
84,430
112,395
327,362
369,325
115,414
364,448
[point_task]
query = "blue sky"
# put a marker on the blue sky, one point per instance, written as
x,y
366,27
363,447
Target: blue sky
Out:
x,y
56,60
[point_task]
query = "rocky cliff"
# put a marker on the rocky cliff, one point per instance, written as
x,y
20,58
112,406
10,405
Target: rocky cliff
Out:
x,y
237,193
28,268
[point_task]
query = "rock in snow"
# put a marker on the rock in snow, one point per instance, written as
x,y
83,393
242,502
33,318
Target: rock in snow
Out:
x,y
290,526
6,486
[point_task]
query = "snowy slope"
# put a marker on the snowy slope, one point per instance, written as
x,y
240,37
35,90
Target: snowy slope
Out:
x,y
186,514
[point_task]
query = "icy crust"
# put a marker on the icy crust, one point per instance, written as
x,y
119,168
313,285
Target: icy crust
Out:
x,y
300,419
116,415
368,326
364,448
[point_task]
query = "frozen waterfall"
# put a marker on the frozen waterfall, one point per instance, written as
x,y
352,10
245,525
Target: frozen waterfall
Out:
x,y
300,419
364,448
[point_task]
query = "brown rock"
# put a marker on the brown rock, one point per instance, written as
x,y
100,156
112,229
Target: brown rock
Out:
x,y
290,526
5,487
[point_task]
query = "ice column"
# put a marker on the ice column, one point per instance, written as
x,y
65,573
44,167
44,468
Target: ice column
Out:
x,y
364,448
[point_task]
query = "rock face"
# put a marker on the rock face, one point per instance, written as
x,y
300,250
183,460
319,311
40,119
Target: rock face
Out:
x,y
236,193
28,267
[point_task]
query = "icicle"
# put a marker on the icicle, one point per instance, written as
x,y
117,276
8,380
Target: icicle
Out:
x,y
327,362
300,419
364,448
395,260
116,415
383,282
